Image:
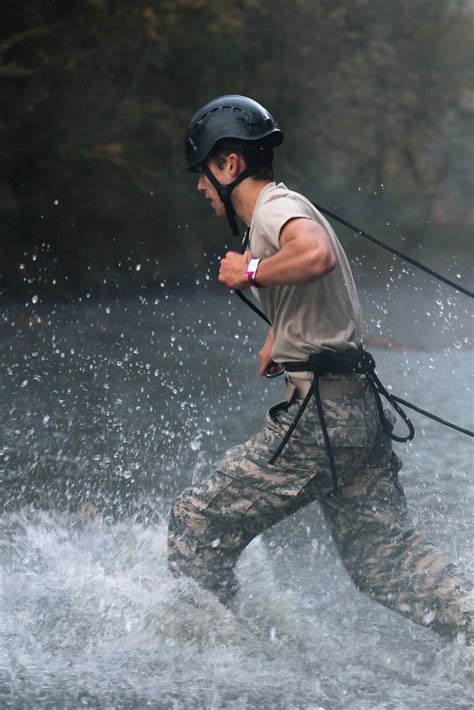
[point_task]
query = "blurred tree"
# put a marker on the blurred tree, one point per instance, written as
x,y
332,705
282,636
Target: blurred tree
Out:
x,y
95,96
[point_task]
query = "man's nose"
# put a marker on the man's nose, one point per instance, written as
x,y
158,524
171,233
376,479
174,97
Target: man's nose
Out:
x,y
200,183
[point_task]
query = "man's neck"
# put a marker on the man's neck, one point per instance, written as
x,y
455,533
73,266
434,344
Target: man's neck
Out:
x,y
245,196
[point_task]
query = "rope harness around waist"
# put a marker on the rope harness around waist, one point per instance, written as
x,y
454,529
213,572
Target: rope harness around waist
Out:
x,y
342,363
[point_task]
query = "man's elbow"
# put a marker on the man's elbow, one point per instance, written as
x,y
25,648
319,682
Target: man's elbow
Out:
x,y
323,261
330,261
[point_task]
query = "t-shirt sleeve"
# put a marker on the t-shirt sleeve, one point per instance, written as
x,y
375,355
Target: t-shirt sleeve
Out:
x,y
276,213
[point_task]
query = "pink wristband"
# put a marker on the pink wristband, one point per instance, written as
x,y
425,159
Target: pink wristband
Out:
x,y
252,267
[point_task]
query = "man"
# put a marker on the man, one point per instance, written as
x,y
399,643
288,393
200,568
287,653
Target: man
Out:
x,y
339,452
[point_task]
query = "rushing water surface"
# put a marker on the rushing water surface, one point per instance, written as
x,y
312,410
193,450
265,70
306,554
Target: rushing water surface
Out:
x,y
108,410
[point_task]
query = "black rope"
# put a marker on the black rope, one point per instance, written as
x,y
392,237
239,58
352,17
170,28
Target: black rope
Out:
x,y
369,364
349,361
362,233
366,366
293,425
432,416
322,363
398,253
336,487
254,308
243,298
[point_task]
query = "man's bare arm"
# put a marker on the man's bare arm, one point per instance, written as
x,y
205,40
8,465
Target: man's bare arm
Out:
x,y
306,254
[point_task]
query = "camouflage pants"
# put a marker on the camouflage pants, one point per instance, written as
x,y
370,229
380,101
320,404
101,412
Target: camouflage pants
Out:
x,y
212,522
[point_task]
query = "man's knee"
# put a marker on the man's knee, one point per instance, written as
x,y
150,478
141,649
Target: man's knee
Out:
x,y
186,527
192,551
186,515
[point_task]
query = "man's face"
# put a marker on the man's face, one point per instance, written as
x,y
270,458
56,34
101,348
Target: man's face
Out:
x,y
205,187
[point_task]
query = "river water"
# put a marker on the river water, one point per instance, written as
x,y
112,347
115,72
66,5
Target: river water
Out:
x,y
109,409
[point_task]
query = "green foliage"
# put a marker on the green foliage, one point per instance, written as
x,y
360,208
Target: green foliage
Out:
x,y
95,96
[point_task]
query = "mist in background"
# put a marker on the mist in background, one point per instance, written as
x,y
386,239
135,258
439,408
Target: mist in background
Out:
x,y
375,101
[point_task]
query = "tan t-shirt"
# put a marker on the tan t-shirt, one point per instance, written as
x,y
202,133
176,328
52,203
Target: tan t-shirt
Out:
x,y
321,315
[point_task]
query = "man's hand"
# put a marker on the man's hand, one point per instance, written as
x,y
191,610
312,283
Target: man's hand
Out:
x,y
265,356
233,270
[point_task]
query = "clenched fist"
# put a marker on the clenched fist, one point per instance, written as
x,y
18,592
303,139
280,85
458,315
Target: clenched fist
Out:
x,y
233,270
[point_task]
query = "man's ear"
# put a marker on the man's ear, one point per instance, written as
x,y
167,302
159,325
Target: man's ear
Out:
x,y
235,164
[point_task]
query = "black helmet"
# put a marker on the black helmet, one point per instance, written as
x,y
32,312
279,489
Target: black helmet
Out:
x,y
229,116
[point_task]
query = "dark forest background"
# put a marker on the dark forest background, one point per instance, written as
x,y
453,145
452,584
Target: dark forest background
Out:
x,y
375,100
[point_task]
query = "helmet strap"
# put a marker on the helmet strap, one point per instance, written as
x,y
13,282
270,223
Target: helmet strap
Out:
x,y
224,192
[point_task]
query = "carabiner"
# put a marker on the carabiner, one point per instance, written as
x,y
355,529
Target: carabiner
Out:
x,y
279,371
